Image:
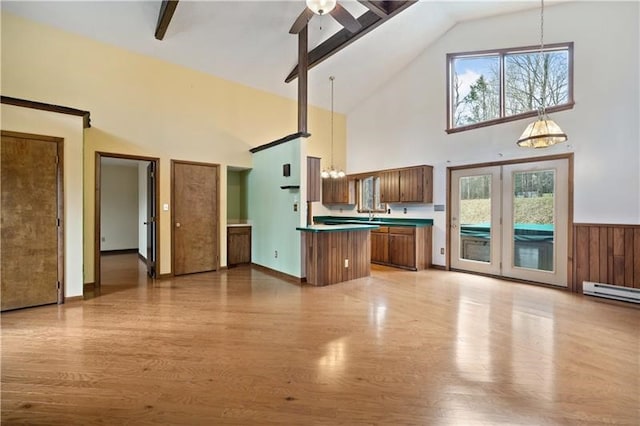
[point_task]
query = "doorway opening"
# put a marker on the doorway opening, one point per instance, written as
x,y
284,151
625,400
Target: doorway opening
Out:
x,y
512,219
126,220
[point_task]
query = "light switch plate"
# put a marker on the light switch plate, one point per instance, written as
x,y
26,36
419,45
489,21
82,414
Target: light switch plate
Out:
x,y
165,207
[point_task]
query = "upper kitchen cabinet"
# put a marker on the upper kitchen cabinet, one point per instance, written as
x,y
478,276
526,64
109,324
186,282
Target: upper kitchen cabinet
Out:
x,y
407,185
416,184
338,191
389,186
313,179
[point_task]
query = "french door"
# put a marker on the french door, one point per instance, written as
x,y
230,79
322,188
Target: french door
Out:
x,y
512,220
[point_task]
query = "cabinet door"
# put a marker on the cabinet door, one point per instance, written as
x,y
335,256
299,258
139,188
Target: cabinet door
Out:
x,y
313,179
328,191
238,245
380,247
402,250
338,191
416,185
390,186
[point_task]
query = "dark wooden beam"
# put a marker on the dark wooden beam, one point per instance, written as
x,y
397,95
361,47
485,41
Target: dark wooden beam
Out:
x,y
303,64
376,7
167,9
369,21
86,115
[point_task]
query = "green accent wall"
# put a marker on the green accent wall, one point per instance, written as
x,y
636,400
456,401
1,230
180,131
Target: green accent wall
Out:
x,y
271,209
237,197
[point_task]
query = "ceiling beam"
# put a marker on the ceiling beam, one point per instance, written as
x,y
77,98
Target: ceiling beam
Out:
x,y
369,21
376,7
164,18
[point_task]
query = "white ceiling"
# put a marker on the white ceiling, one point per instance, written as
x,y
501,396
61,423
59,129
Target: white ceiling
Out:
x,y
248,41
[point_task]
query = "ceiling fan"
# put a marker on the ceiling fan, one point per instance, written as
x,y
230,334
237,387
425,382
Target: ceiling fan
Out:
x,y
321,7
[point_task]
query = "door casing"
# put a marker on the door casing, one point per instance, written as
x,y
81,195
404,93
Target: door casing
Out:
x,y
570,245
216,213
97,207
60,201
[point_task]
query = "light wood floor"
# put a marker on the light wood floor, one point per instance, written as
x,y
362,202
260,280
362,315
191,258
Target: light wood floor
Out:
x,y
399,347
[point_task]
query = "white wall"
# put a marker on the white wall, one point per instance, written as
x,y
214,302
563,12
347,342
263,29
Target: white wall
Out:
x,y
142,207
119,207
402,123
69,127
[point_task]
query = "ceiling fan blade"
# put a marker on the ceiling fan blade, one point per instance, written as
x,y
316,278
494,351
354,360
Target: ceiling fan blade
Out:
x,y
301,21
345,18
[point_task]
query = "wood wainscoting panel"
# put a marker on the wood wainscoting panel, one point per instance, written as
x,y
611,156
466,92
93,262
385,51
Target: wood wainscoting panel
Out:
x,y
608,254
326,253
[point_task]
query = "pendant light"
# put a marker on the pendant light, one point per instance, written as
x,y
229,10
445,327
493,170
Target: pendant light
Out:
x,y
332,173
543,132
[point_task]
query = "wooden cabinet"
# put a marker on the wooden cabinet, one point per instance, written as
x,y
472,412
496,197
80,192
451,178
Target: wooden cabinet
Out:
x,y
409,185
313,179
402,250
380,245
238,245
416,184
338,191
389,186
402,246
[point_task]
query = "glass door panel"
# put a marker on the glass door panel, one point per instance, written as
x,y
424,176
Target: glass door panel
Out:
x,y
535,214
475,209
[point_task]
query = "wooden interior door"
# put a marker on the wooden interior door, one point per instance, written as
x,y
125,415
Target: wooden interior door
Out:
x,y
195,217
31,233
152,219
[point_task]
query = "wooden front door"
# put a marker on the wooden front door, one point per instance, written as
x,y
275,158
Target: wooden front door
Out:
x,y
195,217
31,235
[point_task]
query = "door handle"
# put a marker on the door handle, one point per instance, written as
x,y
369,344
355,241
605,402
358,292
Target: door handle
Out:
x,y
177,224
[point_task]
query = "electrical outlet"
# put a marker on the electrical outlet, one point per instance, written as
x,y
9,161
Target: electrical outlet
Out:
x,y
346,263
295,207
276,255
441,250
404,210
103,239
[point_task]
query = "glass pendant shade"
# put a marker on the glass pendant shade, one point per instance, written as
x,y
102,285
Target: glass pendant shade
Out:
x,y
541,133
320,7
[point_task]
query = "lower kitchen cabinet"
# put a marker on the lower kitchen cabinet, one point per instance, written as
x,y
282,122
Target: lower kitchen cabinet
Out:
x,y
402,246
238,245
380,245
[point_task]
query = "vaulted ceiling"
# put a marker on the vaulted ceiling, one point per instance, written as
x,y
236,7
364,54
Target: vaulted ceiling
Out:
x,y
249,42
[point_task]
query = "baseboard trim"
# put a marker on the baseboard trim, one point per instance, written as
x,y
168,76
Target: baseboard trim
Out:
x,y
73,299
165,276
141,257
289,278
438,267
123,251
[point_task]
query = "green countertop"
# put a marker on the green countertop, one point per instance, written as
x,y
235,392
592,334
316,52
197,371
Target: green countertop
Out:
x,y
380,221
337,228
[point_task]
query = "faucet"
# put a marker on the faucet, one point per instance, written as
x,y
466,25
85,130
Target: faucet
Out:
x,y
372,214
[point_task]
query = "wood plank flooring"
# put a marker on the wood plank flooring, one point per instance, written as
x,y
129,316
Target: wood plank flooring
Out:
x,y
243,347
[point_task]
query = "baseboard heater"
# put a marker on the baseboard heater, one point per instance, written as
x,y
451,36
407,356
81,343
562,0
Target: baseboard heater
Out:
x,y
617,292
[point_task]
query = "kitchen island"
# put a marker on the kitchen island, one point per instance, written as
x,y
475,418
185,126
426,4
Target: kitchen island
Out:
x,y
336,253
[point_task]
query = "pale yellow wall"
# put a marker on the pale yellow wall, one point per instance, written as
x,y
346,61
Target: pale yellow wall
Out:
x,y
140,105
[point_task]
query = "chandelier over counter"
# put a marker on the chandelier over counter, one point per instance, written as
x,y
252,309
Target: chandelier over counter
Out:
x,y
332,173
543,132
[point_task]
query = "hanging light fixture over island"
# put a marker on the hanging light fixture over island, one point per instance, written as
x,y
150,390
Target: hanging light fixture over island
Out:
x,y
332,172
